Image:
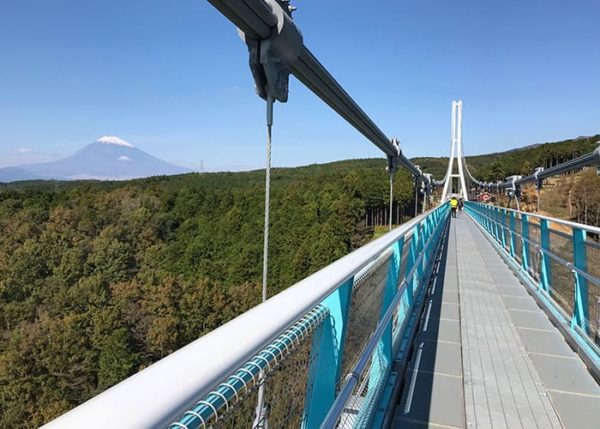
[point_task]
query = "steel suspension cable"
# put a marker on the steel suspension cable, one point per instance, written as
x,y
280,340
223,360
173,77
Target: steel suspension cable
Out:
x,y
260,421
267,197
391,196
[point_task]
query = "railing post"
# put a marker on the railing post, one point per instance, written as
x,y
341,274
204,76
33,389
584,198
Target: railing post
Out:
x,y
497,224
525,247
486,221
503,233
580,307
545,270
513,228
326,356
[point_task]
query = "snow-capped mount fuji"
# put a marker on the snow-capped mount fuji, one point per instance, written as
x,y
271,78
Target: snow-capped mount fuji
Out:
x,y
113,140
108,158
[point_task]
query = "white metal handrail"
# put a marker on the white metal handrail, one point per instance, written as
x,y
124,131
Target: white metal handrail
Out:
x,y
160,393
570,224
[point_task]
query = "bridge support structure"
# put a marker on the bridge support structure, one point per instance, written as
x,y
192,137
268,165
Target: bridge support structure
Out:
x,y
456,152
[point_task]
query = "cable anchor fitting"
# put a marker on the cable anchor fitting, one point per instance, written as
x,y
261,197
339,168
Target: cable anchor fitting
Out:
x,y
271,59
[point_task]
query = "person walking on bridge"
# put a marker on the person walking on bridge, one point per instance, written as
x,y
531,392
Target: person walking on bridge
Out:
x,y
453,205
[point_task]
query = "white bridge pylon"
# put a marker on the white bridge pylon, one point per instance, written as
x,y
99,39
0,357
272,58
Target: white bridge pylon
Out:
x,y
456,151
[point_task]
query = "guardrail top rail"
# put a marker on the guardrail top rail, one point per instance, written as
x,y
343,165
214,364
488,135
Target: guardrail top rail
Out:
x,y
560,261
159,394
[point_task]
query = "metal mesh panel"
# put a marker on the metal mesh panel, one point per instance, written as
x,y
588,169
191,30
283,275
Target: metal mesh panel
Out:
x,y
518,240
281,367
359,408
594,312
241,414
404,256
593,256
285,393
593,265
365,309
562,284
398,317
534,254
505,229
286,388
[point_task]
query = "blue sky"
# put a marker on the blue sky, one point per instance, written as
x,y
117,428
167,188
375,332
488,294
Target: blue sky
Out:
x,y
171,77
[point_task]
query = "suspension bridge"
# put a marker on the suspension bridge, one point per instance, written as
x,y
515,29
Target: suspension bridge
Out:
x,y
487,320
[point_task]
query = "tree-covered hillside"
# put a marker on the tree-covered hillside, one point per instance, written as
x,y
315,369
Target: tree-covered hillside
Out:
x,y
100,279
497,166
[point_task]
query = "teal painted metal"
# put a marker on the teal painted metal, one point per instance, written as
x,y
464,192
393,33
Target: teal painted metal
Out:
x,y
581,313
328,324
545,266
326,356
247,376
497,228
525,263
503,216
513,229
390,290
413,254
423,233
574,321
424,242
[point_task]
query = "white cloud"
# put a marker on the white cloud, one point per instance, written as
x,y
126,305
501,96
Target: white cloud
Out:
x,y
123,158
25,156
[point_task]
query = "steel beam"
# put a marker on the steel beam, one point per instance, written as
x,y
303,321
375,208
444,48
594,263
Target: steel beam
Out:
x,y
256,20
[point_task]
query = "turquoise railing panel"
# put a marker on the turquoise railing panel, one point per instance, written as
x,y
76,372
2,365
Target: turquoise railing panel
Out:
x,y
555,264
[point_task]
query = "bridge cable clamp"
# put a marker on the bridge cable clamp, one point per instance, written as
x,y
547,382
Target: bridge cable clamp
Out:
x,y
271,58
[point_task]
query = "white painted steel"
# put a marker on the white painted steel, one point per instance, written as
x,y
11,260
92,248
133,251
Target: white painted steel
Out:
x,y
459,149
456,152
256,18
448,177
584,227
159,394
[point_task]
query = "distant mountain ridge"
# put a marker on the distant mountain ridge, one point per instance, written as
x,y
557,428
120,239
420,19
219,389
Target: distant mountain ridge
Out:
x,y
108,158
15,174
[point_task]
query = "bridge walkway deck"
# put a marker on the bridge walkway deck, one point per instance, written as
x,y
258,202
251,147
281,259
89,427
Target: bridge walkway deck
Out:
x,y
486,355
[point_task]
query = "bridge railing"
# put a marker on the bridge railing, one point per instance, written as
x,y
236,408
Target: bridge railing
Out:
x,y
560,260
322,349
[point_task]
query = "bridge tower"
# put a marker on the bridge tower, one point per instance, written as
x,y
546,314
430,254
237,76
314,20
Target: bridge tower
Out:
x,y
456,152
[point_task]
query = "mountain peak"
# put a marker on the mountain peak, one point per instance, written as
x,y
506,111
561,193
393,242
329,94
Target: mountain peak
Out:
x,y
113,140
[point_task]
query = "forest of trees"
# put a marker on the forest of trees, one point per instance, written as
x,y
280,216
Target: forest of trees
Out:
x,y
99,280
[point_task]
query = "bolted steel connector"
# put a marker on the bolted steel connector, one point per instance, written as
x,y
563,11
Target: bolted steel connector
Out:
x,y
271,58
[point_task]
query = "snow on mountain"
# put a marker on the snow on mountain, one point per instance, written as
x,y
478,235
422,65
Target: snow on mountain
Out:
x,y
113,140
108,158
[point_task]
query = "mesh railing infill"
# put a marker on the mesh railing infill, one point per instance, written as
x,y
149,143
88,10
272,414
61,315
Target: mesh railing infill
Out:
x,y
364,313
562,284
518,239
534,253
359,408
593,264
283,368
